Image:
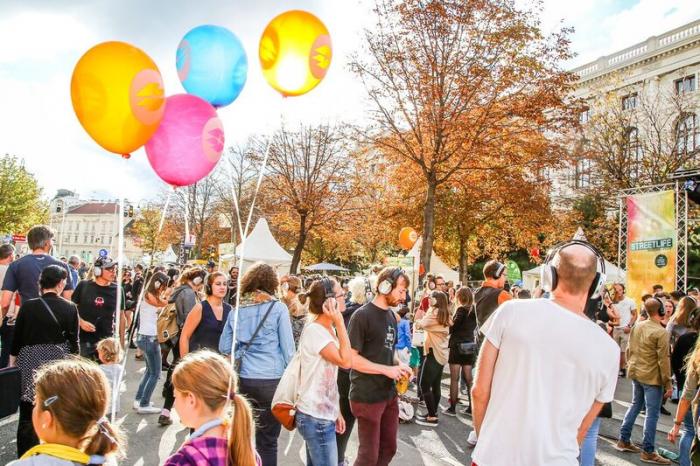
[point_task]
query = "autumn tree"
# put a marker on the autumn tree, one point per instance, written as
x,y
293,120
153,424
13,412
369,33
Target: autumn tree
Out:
x,y
635,135
309,181
196,202
21,205
440,74
147,229
235,187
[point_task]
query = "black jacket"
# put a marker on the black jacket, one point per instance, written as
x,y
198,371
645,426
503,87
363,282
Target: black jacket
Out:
x,y
463,326
35,326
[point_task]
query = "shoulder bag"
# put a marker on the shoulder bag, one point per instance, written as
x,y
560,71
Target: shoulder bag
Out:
x,y
287,393
237,365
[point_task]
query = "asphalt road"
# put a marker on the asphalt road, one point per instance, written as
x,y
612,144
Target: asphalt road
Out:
x,y
150,444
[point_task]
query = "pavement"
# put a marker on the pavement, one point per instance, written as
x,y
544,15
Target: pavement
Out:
x,y
150,445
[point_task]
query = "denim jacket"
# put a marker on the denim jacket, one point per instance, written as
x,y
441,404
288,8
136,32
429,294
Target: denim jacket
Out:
x,y
273,347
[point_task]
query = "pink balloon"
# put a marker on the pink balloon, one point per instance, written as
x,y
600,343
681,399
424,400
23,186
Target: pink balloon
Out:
x,y
188,143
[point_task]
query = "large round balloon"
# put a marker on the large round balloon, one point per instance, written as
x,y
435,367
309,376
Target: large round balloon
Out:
x,y
212,64
295,52
188,143
407,237
117,95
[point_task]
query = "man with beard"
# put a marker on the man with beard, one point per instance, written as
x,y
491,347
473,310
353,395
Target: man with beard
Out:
x,y
375,368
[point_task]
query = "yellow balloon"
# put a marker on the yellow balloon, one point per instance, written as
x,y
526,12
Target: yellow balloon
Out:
x,y
295,52
117,94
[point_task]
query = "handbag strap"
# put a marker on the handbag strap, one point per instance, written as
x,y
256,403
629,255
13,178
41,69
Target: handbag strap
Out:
x,y
53,316
257,330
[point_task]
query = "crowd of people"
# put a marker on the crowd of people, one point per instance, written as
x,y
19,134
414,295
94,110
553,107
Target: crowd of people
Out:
x,y
346,349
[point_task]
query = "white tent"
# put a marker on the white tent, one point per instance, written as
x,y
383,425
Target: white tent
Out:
x,y
437,266
261,246
613,274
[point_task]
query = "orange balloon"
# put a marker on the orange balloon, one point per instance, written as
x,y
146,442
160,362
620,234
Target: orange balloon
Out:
x,y
117,94
295,52
407,237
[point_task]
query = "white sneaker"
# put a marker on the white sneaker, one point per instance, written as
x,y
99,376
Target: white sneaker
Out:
x,y
471,440
137,404
148,410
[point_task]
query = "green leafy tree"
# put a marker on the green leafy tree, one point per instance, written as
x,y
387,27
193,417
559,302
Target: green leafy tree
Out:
x,y
21,205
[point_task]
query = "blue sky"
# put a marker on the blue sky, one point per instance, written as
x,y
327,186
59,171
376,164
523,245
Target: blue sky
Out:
x,y
43,39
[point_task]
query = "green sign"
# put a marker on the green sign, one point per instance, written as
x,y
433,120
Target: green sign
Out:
x,y
513,271
404,262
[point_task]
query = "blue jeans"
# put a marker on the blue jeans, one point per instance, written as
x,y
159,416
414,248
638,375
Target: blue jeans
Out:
x,y
686,439
648,396
151,351
590,445
319,435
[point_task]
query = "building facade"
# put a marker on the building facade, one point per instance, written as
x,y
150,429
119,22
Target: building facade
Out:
x,y
82,228
657,77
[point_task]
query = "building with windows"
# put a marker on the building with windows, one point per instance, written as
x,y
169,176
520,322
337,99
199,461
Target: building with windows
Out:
x,y
82,228
646,97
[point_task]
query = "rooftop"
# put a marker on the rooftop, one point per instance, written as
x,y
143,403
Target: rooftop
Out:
x,y
655,46
95,208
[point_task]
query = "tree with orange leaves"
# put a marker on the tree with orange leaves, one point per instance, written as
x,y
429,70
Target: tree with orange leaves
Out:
x,y
451,80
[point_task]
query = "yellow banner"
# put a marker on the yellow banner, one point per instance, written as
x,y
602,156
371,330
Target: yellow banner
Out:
x,y
651,243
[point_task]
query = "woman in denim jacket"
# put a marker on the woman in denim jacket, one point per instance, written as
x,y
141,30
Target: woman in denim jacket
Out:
x,y
263,358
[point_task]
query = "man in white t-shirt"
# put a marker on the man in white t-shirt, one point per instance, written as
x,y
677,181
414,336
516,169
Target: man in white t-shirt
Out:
x,y
544,372
627,310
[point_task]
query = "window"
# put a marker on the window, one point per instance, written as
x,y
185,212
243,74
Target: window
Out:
x,y
584,116
582,178
633,152
629,101
688,135
686,84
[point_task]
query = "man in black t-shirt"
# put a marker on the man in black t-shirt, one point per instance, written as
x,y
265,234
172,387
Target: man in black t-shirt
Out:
x,y
375,368
97,301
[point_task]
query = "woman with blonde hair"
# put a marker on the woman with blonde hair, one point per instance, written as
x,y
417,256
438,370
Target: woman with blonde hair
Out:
x,y
204,385
678,323
291,289
72,397
436,323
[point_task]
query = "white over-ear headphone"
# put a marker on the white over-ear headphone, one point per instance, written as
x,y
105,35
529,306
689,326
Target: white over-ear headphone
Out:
x,y
387,284
549,278
197,280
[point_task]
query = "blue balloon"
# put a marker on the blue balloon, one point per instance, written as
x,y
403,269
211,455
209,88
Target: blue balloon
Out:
x,y
212,64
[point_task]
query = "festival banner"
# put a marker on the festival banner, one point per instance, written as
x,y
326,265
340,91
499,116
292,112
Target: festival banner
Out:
x,y
651,243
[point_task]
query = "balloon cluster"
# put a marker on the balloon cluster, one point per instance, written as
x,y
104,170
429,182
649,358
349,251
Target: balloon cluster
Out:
x,y
118,95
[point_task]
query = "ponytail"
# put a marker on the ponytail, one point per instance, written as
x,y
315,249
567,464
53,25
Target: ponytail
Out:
x,y
107,439
240,434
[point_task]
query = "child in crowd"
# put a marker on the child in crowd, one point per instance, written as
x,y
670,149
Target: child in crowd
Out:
x,y
201,383
403,341
69,417
109,352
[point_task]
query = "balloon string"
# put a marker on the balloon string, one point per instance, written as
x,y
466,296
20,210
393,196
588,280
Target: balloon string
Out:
x,y
243,244
165,210
235,204
187,217
117,312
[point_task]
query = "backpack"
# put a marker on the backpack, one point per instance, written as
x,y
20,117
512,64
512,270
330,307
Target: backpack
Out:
x,y
166,323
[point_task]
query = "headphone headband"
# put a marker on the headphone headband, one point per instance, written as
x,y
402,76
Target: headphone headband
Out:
x,y
549,276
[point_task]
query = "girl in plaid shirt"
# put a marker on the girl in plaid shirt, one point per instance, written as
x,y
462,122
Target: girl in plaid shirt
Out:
x,y
201,383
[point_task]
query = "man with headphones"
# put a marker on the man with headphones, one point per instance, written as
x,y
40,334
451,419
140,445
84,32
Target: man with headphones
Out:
x,y
544,370
649,368
491,294
97,302
375,368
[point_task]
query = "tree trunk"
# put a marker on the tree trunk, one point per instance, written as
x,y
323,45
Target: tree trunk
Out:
x,y
428,225
463,256
296,257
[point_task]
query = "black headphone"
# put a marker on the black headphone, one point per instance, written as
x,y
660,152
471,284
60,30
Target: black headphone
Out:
x,y
549,279
387,284
499,271
662,309
328,288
